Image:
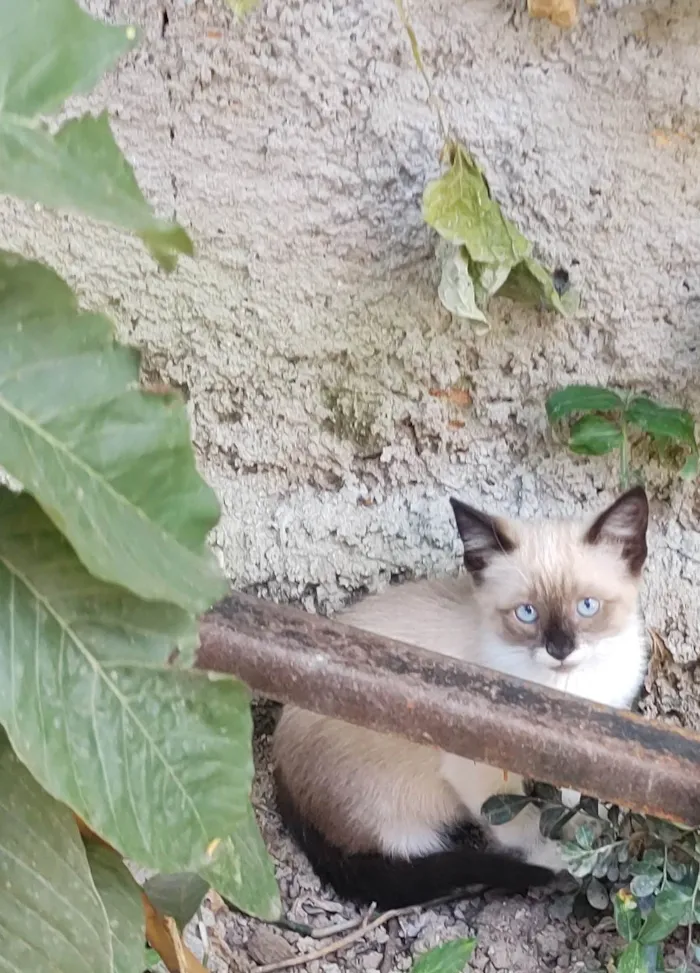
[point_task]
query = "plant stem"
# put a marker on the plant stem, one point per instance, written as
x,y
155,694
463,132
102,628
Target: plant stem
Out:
x,y
418,58
624,458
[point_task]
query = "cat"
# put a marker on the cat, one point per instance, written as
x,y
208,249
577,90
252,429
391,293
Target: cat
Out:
x,y
556,602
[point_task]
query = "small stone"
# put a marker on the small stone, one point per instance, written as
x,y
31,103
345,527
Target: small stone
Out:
x,y
372,960
266,945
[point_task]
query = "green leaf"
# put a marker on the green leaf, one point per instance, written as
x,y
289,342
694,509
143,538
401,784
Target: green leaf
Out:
x,y
502,808
643,885
594,435
456,291
585,836
451,957
111,465
178,896
48,52
582,398
674,904
157,761
662,422
459,206
628,919
121,897
51,917
552,820
151,958
529,283
597,894
241,871
633,960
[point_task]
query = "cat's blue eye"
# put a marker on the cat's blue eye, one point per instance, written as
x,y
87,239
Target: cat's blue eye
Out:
x,y
527,614
588,607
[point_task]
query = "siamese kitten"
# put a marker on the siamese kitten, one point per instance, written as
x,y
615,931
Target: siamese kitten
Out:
x,y
396,823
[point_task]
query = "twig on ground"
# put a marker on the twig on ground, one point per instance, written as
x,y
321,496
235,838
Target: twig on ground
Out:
x,y
352,937
392,929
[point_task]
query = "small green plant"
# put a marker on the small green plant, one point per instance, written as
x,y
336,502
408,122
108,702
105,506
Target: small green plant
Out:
x,y
644,870
450,957
600,420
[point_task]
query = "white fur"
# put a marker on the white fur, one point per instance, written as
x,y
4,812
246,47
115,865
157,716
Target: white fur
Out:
x,y
609,672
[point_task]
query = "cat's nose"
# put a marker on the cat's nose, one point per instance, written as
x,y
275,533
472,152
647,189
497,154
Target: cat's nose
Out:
x,y
559,643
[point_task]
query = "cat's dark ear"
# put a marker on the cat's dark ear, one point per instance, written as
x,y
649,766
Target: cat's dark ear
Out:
x,y
625,525
483,537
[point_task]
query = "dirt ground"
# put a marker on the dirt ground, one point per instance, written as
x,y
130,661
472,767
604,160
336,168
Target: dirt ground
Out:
x,y
519,935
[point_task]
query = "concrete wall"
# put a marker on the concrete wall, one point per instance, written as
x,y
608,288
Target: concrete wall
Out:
x,y
327,385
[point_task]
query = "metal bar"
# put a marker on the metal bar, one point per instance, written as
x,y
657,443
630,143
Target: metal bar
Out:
x,y
330,668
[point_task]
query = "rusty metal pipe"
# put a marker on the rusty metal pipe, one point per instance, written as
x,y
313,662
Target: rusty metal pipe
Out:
x,y
330,668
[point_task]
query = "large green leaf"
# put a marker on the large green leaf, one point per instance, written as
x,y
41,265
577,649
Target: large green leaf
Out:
x,y
111,465
51,918
661,421
121,897
157,761
241,871
451,957
459,206
594,435
48,51
582,398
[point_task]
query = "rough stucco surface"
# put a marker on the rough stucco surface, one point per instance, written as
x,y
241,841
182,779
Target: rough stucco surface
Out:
x,y
308,336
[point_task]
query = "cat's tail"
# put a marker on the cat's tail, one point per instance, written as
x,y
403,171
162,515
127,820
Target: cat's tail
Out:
x,y
391,882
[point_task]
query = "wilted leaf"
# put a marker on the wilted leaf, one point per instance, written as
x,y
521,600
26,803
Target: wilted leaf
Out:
x,y
456,291
459,206
49,51
241,871
488,279
582,398
121,898
628,919
594,436
562,13
112,466
178,895
51,918
597,895
502,808
156,761
451,957
661,421
530,284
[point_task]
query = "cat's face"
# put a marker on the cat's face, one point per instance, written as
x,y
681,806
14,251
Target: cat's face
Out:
x,y
554,595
